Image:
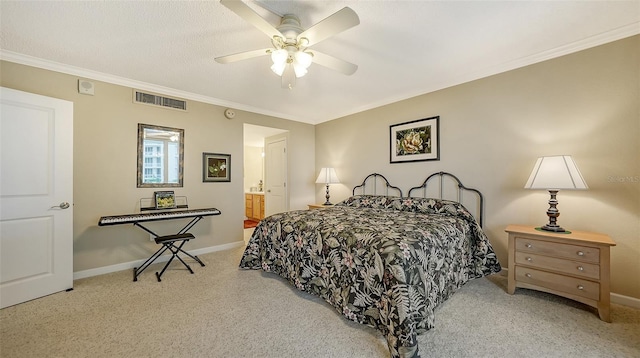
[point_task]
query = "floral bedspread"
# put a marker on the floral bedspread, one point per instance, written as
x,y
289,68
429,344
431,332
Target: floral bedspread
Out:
x,y
386,262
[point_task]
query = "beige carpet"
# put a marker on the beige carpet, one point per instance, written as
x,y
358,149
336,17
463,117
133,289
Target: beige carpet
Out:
x,y
222,311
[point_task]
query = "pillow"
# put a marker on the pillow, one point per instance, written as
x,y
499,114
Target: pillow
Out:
x,y
436,206
416,205
368,201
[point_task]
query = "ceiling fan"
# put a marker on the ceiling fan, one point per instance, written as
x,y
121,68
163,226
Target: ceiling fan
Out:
x,y
290,53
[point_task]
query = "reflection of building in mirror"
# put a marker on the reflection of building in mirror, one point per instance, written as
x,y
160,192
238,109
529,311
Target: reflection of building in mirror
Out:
x,y
158,167
159,156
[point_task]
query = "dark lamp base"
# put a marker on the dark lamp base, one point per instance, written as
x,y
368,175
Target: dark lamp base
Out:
x,y
553,214
327,197
560,231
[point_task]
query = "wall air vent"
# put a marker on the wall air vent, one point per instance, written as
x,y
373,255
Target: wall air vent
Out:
x,y
157,100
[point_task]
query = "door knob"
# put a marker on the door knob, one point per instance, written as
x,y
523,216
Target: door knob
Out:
x,y
63,205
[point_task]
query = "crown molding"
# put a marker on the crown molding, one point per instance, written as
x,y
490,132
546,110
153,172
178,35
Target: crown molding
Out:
x,y
32,61
593,41
587,43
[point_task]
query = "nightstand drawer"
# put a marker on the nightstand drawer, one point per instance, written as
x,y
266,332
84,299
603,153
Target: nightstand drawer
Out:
x,y
574,286
576,268
573,252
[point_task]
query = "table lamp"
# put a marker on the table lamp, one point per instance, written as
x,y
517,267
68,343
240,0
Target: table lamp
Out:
x,y
554,173
327,176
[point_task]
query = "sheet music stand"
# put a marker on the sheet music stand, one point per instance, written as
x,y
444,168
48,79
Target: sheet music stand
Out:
x,y
148,204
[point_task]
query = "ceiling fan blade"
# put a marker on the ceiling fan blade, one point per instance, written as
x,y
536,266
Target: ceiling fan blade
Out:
x,y
244,11
243,55
334,24
333,63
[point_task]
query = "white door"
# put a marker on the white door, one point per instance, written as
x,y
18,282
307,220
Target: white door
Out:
x,y
36,194
275,176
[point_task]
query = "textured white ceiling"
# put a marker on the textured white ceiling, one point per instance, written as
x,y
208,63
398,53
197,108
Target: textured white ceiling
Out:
x,y
402,48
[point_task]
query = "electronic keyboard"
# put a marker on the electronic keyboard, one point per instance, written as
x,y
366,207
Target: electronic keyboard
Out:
x,y
165,215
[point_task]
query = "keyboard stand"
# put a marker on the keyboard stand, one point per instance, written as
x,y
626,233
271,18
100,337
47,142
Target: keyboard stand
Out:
x,y
174,242
168,242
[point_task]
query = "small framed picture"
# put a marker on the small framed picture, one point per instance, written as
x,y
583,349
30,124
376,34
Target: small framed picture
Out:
x,y
165,199
216,167
415,141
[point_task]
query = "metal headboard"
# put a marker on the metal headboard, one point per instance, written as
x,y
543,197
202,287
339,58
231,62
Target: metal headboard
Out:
x,y
371,183
440,191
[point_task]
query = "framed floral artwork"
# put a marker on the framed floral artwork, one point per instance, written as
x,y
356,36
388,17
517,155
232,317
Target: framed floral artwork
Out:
x,y
415,141
216,167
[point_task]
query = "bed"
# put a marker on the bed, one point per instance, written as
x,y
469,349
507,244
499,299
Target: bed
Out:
x,y
380,258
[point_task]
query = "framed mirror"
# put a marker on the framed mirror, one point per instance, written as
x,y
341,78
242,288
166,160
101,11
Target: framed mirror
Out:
x,y
160,156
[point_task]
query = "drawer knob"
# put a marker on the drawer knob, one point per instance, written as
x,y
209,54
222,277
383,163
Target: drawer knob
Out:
x,y
580,268
528,275
529,259
528,246
580,287
580,253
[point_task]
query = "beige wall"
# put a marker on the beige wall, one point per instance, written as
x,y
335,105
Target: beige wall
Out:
x,y
105,135
492,130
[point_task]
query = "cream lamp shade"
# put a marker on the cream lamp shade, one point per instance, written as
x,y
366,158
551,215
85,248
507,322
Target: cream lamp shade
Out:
x,y
327,176
557,172
554,173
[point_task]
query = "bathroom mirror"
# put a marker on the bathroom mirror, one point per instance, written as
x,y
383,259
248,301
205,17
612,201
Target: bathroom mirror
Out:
x,y
160,156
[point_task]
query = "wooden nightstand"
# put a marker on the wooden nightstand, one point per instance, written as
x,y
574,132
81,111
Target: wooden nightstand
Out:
x,y
575,266
319,206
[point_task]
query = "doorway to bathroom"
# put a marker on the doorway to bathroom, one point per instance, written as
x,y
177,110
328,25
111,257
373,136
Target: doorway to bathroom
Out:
x,y
260,166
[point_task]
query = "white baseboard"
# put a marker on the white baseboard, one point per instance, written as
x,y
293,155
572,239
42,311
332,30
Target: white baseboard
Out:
x,y
615,298
164,258
625,301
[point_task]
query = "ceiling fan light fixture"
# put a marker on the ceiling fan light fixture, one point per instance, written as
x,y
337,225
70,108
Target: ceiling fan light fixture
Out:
x,y
301,61
303,58
279,56
278,68
299,70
